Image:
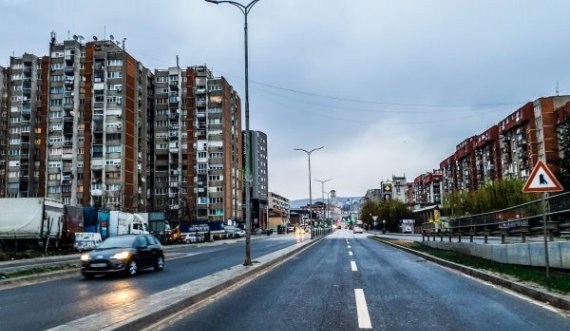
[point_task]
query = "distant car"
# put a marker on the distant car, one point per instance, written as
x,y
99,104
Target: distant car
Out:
x,y
339,227
126,254
357,229
407,229
290,229
234,232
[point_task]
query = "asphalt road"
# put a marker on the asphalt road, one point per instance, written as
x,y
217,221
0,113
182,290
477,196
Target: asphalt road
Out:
x,y
49,304
349,282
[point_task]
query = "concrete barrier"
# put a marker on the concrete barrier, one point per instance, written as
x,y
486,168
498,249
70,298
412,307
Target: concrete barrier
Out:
x,y
531,254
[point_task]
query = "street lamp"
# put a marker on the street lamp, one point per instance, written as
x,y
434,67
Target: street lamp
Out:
x,y
248,159
323,191
310,186
384,227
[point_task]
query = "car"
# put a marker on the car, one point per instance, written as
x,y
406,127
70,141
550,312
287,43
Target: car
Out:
x,y
339,227
234,232
126,254
357,229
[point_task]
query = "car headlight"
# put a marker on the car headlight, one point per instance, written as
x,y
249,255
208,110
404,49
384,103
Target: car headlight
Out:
x,y
85,257
121,256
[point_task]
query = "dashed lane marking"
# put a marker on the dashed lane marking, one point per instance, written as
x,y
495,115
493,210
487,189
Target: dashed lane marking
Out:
x,y
353,266
350,253
362,309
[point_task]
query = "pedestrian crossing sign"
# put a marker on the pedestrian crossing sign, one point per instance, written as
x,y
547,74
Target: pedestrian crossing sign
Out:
x,y
541,179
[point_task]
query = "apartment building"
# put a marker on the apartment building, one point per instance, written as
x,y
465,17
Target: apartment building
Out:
x,y
487,156
399,187
428,188
24,127
3,129
90,125
214,153
259,171
280,204
507,150
77,128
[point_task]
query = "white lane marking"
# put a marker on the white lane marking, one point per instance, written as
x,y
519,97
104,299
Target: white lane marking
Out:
x,y
350,253
353,266
348,246
362,309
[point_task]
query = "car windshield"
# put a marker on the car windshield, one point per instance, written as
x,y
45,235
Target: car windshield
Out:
x,y
117,242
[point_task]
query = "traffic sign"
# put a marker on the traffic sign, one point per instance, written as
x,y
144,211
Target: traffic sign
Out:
x,y
541,179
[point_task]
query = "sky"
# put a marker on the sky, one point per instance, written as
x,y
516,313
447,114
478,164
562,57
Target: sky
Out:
x,y
388,87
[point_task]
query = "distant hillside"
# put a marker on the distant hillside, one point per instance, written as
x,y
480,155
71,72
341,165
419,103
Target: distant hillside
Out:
x,y
340,200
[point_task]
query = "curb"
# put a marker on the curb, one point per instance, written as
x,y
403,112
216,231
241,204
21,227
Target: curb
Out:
x,y
549,298
137,315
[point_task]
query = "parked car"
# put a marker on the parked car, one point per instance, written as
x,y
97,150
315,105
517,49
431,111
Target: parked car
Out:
x,y
126,254
234,232
357,229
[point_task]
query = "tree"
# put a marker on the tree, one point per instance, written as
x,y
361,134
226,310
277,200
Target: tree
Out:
x,y
494,196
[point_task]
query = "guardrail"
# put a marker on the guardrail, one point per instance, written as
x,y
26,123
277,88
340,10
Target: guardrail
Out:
x,y
319,232
519,221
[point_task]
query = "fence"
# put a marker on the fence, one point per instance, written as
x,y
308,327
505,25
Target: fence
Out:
x,y
518,221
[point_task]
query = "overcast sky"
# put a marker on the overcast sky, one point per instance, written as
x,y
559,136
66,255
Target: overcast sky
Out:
x,y
388,87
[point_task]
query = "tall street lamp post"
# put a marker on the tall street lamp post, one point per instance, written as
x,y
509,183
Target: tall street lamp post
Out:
x,y
323,181
310,187
245,9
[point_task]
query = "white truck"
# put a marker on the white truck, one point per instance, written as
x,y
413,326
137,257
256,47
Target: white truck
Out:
x,y
31,220
121,223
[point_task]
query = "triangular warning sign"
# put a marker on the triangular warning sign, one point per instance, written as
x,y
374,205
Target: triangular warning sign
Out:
x,y
541,179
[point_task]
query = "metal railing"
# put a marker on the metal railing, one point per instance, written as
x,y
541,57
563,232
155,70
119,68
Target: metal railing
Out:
x,y
519,221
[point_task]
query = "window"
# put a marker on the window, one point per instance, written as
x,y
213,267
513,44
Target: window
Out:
x,y
114,149
115,62
115,74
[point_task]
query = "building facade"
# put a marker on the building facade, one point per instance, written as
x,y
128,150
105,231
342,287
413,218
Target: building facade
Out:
x,y
214,152
90,125
260,177
3,130
508,150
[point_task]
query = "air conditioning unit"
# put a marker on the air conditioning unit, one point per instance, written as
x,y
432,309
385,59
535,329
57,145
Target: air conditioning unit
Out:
x,y
119,116
117,165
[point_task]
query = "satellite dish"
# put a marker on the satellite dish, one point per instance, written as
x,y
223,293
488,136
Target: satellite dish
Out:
x,y
75,37
112,38
95,38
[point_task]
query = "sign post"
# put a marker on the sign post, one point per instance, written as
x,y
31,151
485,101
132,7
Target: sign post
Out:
x,y
542,180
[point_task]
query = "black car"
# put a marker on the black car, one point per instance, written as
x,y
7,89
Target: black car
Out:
x,y
123,254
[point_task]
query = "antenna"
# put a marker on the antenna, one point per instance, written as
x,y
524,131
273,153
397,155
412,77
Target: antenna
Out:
x,y
95,38
124,39
104,32
75,37
557,88
177,62
112,37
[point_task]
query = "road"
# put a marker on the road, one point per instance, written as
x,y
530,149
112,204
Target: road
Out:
x,y
49,304
349,282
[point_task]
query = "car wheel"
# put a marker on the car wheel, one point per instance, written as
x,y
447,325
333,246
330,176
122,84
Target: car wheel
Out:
x,y
159,264
132,268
